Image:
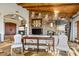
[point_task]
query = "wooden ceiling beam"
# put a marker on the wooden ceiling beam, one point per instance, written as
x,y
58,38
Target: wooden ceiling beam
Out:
x,y
46,4
65,9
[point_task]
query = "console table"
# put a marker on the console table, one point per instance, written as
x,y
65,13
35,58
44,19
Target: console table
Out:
x,y
24,39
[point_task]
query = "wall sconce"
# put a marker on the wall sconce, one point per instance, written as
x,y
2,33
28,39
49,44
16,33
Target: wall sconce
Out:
x,y
25,25
33,14
17,12
20,18
39,15
46,16
56,12
51,24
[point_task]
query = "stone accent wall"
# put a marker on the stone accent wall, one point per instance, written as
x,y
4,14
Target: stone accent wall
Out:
x,y
46,27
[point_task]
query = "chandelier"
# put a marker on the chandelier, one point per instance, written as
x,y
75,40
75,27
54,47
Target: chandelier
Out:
x,y
57,20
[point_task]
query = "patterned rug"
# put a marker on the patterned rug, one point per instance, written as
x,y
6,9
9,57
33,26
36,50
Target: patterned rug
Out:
x,y
16,52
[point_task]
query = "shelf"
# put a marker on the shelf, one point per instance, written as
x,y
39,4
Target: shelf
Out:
x,y
40,44
35,49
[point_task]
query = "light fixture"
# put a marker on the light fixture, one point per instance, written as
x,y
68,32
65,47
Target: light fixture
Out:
x,y
56,12
39,15
46,16
20,18
33,14
25,25
51,24
17,13
63,18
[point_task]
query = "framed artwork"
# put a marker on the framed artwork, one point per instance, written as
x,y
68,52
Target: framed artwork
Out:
x,y
36,22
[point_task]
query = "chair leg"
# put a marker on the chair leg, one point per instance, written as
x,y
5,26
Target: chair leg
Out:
x,y
11,51
57,53
68,54
21,50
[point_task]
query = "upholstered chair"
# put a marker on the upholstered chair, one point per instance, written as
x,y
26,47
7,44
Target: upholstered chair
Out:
x,y
17,42
62,44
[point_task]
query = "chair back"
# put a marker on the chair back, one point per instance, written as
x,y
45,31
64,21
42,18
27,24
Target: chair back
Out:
x,y
62,40
17,38
63,43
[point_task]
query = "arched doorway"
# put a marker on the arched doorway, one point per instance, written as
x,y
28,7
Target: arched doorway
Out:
x,y
10,28
11,22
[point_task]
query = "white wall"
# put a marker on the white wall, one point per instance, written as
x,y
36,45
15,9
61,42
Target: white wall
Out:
x,y
1,28
11,8
74,28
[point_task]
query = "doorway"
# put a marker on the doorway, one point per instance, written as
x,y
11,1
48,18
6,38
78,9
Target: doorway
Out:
x,y
78,30
10,29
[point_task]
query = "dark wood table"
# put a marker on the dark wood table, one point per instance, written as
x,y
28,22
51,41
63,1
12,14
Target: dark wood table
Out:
x,y
24,39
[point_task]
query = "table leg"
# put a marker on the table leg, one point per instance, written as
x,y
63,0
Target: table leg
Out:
x,y
23,48
23,44
37,45
53,44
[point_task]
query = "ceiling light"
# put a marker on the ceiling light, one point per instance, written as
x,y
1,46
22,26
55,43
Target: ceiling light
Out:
x,y
63,19
56,11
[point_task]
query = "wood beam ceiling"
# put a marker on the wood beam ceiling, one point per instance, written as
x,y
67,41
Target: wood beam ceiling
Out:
x,y
67,9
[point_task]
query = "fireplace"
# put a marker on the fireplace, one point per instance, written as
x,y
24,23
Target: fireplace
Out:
x,y
37,31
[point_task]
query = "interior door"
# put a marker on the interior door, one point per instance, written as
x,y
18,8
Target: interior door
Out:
x,y
78,30
10,29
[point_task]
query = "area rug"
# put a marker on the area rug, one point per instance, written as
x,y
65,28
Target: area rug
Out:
x,y
5,50
37,54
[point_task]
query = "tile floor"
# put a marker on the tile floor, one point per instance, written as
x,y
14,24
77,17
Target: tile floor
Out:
x,y
6,46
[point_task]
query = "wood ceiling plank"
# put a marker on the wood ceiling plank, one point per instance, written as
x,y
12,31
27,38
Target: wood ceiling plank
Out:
x,y
65,9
